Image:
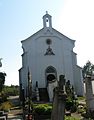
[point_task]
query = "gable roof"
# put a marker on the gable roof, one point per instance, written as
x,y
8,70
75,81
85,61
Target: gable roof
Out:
x,y
42,32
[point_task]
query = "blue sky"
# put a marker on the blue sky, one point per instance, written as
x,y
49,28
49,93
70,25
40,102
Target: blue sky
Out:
x,y
21,18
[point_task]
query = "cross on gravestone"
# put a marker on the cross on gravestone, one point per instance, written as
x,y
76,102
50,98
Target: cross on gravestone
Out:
x,y
58,111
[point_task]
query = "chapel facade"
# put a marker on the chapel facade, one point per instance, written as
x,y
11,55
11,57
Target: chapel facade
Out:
x,y
47,54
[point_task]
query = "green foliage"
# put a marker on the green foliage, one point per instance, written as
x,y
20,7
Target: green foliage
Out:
x,y
43,109
11,90
71,118
71,104
3,97
88,69
88,116
2,80
8,91
82,110
81,98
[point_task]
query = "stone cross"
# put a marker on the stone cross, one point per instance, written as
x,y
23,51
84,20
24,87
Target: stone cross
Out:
x,y
58,111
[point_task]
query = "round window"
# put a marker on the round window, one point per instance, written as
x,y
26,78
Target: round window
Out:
x,y
48,41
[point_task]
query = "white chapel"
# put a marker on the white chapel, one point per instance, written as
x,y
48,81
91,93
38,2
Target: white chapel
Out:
x,y
47,54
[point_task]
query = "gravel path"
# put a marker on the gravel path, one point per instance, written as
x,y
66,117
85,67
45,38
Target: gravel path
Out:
x,y
15,115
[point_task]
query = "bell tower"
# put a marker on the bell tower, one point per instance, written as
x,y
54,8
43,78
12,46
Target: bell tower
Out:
x,y
47,23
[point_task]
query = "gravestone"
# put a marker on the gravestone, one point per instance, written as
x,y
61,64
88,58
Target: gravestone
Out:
x,y
58,111
37,91
3,116
89,94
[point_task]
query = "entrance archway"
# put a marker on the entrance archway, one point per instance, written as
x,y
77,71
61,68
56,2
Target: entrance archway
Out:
x,y
51,74
51,80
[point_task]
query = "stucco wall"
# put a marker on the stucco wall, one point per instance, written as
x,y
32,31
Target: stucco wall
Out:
x,y
34,58
37,61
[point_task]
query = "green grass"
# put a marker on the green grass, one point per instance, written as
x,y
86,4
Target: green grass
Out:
x,y
71,118
81,98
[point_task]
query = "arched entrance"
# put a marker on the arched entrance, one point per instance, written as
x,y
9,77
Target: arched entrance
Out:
x,y
51,74
51,80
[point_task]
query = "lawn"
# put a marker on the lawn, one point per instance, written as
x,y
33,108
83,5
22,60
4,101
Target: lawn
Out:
x,y
71,118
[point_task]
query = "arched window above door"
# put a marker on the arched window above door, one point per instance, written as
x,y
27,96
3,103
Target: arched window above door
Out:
x,y
50,69
51,74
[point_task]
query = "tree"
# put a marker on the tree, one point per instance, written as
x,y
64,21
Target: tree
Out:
x,y
71,99
88,69
2,80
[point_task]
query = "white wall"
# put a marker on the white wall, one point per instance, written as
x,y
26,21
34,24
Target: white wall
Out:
x,y
34,57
